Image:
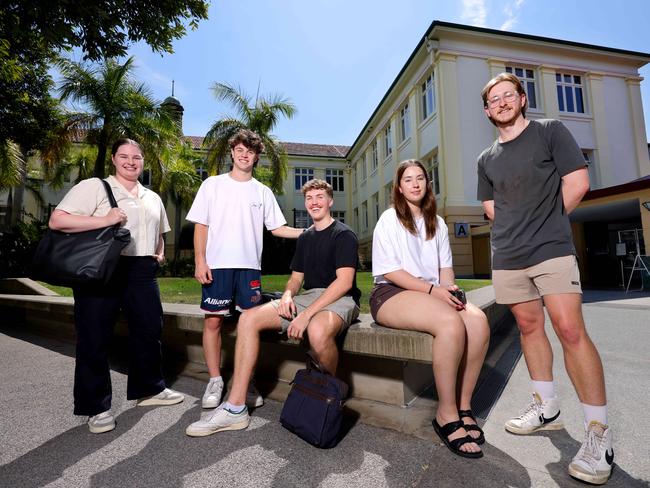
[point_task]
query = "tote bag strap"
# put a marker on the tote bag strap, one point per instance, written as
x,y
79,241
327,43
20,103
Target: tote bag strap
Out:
x,y
109,192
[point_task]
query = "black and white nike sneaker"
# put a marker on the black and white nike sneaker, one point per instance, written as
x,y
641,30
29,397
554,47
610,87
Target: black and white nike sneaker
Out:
x,y
539,415
594,460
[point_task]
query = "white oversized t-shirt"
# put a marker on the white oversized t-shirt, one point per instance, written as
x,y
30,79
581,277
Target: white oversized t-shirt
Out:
x,y
395,248
235,213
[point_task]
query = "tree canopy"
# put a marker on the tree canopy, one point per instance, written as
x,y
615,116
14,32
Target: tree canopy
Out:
x,y
33,33
261,117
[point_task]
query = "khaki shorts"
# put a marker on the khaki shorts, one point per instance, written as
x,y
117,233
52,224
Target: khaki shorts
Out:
x,y
345,307
550,277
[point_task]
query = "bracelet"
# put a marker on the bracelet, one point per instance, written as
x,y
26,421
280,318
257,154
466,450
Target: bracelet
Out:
x,y
429,292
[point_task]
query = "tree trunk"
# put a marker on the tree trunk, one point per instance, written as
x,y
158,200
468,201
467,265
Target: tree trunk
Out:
x,y
177,234
16,210
102,149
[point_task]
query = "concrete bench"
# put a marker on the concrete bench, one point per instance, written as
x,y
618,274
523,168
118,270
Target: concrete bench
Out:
x,y
387,369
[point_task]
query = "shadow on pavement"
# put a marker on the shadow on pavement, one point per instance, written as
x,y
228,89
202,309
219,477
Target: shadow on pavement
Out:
x,y
568,447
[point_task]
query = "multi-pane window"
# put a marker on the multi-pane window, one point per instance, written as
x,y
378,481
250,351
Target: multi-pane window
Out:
x,y
570,93
374,157
364,211
335,177
388,141
356,218
434,176
202,172
388,195
404,123
428,97
302,176
527,78
375,206
354,177
339,215
302,219
364,169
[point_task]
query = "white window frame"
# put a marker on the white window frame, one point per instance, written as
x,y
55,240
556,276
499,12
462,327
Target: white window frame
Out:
x,y
339,215
529,82
374,156
567,88
388,141
404,122
364,169
302,219
301,176
364,211
428,97
433,169
336,178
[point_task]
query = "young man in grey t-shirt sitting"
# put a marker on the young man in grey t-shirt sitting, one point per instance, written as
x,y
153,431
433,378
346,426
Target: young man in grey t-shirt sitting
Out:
x,y
529,180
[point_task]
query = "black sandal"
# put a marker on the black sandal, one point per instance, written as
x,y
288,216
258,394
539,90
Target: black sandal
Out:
x,y
468,413
454,445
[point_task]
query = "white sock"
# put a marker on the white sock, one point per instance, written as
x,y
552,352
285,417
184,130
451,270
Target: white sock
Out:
x,y
595,412
545,389
215,378
234,408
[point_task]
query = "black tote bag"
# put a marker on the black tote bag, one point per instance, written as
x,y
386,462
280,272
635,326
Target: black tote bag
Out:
x,y
80,258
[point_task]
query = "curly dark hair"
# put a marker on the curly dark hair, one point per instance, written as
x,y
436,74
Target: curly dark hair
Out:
x,y
249,139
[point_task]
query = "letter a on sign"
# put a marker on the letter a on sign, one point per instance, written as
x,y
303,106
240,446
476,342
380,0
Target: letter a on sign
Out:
x,y
461,229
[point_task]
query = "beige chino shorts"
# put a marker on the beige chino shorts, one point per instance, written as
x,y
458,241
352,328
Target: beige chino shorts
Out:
x,y
345,307
551,277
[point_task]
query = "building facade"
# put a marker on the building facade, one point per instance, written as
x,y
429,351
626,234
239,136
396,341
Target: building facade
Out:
x,y
433,112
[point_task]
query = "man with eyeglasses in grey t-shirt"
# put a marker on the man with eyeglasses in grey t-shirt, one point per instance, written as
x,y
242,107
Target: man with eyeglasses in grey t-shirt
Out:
x,y
529,180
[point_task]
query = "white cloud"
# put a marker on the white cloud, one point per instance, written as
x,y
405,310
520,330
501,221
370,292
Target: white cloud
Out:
x,y
474,12
512,14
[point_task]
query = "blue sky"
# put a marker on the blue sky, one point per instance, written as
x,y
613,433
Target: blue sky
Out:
x,y
335,59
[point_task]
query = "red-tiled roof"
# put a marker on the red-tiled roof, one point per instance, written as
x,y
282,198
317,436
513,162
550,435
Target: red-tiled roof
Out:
x,y
293,148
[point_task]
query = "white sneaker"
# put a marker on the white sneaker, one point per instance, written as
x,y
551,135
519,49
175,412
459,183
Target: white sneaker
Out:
x,y
594,460
212,396
218,420
537,416
102,422
253,397
165,397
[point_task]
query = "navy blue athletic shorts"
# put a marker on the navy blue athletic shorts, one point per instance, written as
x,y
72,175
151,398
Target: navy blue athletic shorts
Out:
x,y
241,287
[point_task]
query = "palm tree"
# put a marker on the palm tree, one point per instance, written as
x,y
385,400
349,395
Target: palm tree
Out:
x,y
180,182
261,117
117,106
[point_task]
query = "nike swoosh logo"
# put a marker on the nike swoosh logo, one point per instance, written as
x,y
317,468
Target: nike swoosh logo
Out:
x,y
609,457
544,420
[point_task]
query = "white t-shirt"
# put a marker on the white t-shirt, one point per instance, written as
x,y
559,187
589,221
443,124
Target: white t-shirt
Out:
x,y
235,213
395,248
145,213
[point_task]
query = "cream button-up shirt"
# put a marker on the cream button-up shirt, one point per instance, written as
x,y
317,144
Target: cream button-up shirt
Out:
x,y
145,213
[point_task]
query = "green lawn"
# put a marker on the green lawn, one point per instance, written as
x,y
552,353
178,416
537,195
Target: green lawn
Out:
x,y
187,290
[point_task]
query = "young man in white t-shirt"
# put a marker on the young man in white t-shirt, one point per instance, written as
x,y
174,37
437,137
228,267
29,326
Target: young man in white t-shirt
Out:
x,y
229,213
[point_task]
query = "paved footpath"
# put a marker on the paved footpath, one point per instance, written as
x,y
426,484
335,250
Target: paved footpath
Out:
x,y
42,444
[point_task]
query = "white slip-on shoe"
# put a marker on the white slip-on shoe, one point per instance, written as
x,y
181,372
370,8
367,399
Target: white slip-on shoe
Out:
x,y
165,397
102,422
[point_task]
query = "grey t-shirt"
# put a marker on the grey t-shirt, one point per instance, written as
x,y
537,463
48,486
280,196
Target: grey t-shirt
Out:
x,y
523,177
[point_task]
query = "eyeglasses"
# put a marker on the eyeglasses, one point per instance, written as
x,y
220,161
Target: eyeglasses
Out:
x,y
506,97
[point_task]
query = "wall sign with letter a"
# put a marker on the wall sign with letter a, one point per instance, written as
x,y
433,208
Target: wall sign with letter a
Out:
x,y
461,229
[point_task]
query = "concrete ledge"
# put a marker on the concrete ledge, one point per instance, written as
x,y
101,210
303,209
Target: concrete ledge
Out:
x,y
387,369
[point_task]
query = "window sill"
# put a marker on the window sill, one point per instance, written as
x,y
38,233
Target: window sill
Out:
x,y
575,116
388,159
425,122
404,143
